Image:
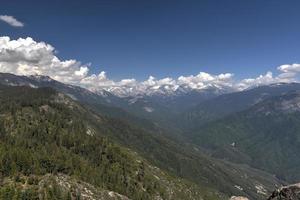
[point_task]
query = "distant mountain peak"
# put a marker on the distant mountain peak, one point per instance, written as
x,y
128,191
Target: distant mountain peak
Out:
x,y
43,78
144,90
164,90
282,84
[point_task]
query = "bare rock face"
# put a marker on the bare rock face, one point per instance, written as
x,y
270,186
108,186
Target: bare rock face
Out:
x,y
238,198
78,189
290,192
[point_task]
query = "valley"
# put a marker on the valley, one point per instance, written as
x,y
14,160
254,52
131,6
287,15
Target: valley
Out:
x,y
234,154
149,100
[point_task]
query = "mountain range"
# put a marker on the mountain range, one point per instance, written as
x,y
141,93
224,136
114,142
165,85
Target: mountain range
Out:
x,y
209,144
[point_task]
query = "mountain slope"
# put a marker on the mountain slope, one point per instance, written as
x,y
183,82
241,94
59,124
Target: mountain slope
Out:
x,y
178,158
163,109
160,108
50,186
44,132
103,102
75,92
226,104
266,136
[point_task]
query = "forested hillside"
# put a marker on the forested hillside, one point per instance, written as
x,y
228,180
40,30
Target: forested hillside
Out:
x,y
265,136
45,132
29,115
227,104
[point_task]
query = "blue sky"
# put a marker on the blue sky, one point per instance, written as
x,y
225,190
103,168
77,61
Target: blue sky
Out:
x,y
129,38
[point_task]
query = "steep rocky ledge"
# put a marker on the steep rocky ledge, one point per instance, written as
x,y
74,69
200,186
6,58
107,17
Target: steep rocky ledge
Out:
x,y
290,192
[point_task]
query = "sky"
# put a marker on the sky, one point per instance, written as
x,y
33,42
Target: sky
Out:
x,y
135,39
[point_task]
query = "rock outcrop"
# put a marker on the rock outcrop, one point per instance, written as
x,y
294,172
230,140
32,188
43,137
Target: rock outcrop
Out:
x,y
238,198
290,192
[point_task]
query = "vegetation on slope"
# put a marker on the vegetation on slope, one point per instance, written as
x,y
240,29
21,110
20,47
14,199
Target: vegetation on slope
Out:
x,y
44,132
266,136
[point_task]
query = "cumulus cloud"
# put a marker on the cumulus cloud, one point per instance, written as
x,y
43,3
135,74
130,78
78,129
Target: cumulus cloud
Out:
x,y
11,20
260,80
25,56
289,68
204,80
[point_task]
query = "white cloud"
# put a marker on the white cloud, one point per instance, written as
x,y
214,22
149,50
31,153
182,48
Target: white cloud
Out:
x,y
204,80
260,80
289,68
11,20
27,57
